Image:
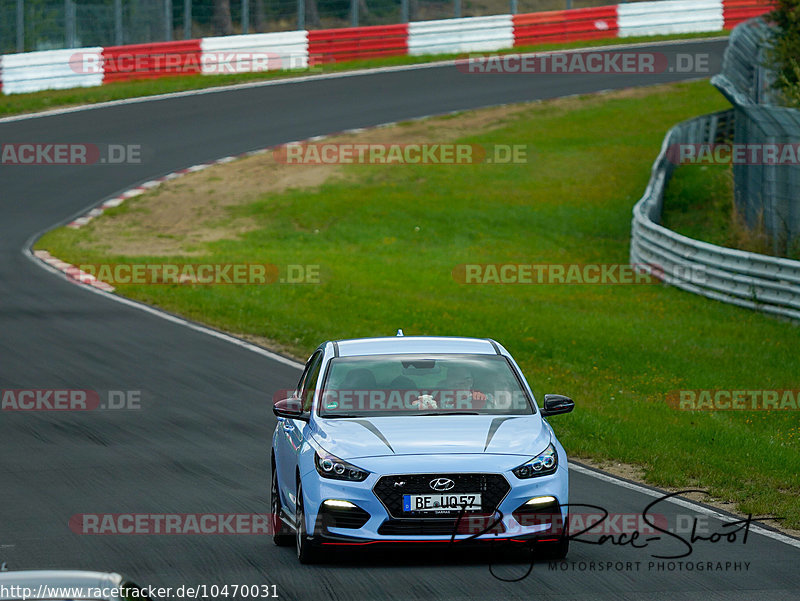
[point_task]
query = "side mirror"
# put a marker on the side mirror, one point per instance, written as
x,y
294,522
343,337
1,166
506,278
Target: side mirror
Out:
x,y
555,404
291,408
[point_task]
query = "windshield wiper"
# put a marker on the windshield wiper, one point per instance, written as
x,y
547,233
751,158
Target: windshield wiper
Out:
x,y
449,413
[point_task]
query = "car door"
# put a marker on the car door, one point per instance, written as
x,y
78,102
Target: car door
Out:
x,y
290,432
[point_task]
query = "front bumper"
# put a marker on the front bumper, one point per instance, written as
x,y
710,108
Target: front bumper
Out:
x,y
379,526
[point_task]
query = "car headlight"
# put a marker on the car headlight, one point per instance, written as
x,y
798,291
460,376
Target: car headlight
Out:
x,y
544,464
330,466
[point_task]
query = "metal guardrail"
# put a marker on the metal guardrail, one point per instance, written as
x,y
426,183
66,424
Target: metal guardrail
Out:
x,y
751,280
744,80
32,25
766,194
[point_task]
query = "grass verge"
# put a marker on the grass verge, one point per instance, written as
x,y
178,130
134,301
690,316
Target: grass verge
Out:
x,y
15,104
388,237
699,203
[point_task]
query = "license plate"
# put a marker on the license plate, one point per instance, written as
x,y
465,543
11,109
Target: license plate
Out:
x,y
442,502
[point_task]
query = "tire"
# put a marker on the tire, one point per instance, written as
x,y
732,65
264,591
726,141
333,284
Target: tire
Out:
x,y
557,550
281,535
307,551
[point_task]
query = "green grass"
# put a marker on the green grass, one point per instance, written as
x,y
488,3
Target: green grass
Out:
x,y
387,240
699,203
50,99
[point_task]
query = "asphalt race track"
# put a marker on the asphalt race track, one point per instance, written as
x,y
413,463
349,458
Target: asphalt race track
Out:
x,y
200,441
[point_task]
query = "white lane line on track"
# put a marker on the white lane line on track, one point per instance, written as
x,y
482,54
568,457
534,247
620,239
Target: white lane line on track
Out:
x,y
340,75
655,493
27,252
290,362
682,503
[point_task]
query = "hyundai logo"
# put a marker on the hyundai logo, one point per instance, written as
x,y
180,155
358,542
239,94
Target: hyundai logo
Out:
x,y
442,484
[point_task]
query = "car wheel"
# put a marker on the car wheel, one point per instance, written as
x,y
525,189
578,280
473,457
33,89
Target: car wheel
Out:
x,y
281,535
307,552
557,550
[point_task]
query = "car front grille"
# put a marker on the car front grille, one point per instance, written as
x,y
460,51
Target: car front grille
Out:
x,y
390,490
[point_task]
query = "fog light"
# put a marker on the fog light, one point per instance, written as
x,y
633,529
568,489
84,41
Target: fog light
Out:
x,y
536,501
339,504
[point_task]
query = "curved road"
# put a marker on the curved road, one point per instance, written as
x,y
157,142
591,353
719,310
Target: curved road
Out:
x,y
200,441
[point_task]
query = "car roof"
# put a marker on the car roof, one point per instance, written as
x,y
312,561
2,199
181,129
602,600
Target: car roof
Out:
x,y
400,345
57,578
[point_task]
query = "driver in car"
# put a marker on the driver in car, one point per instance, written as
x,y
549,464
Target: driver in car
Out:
x,y
456,392
460,379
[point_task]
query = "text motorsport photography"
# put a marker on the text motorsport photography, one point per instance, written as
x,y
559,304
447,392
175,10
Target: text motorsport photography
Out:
x,y
667,542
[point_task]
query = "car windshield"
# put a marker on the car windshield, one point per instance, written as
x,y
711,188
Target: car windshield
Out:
x,y
388,385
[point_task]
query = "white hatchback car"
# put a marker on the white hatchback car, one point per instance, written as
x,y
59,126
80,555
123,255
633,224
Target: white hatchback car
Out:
x,y
65,585
417,440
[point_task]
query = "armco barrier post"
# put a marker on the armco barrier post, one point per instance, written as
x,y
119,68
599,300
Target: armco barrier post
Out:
x,y
301,14
404,11
167,20
245,16
118,22
70,34
20,25
187,19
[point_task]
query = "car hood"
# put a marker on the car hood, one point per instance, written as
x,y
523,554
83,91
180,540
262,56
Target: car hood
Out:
x,y
351,438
